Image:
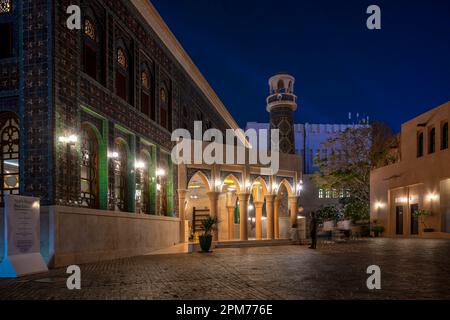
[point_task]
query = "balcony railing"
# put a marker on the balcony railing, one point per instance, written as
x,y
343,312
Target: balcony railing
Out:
x,y
282,98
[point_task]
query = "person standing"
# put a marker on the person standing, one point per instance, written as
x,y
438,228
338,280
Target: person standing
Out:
x,y
313,230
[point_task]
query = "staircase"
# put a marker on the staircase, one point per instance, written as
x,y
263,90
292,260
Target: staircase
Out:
x,y
198,217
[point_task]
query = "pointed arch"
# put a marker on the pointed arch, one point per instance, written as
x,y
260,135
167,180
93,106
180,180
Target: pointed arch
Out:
x,y
259,183
234,179
288,187
204,179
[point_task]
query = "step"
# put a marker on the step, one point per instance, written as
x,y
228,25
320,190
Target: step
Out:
x,y
253,243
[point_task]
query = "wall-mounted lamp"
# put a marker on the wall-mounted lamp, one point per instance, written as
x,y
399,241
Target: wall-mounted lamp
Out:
x,y
113,155
379,205
158,187
160,173
139,165
72,139
433,197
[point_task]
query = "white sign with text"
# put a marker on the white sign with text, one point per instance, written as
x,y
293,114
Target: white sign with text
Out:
x,y
22,254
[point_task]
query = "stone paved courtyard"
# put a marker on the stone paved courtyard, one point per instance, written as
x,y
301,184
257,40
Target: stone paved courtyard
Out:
x,y
411,269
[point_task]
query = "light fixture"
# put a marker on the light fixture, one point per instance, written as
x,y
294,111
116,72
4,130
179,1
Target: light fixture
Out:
x,y
113,155
139,165
379,205
433,197
160,173
158,187
251,207
72,139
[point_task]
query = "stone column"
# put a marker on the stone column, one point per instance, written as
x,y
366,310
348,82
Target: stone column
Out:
x,y
213,209
258,213
276,221
231,222
293,205
270,216
243,201
184,226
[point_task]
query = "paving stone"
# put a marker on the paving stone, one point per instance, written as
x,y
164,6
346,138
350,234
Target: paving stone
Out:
x,y
411,269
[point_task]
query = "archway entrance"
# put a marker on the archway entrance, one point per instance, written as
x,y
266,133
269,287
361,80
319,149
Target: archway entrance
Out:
x,y
197,204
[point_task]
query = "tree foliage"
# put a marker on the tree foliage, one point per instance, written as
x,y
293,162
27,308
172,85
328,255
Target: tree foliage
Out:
x,y
352,155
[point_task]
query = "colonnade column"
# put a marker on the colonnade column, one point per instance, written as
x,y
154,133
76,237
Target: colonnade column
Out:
x,y
243,201
293,205
276,225
270,216
231,211
213,201
184,227
258,215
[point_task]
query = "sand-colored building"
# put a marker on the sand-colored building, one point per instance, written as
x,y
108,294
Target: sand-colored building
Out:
x,y
420,180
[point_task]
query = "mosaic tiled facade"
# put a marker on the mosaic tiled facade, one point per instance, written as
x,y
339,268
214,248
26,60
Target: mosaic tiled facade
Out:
x,y
46,84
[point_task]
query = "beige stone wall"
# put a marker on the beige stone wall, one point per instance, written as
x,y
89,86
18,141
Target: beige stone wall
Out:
x,y
414,180
78,236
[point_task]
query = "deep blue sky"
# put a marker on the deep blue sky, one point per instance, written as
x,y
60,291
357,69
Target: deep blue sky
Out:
x,y
340,66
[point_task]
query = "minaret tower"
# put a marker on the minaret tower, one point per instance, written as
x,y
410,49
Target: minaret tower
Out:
x,y
281,104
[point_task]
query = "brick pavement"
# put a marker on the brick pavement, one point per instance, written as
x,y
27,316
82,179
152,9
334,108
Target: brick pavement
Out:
x,y
411,269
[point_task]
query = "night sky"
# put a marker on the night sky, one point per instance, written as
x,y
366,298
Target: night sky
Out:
x,y
392,75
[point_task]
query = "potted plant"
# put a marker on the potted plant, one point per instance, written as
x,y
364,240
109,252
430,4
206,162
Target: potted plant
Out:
x,y
206,238
294,232
421,215
376,229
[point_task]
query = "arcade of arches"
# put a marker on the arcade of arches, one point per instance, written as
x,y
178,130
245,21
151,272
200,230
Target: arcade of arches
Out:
x,y
261,208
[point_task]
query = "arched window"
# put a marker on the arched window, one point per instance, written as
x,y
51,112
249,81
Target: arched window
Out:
x,y
120,163
444,138
9,133
89,168
92,49
123,74
143,184
432,141
280,85
6,30
147,93
5,6
165,107
420,141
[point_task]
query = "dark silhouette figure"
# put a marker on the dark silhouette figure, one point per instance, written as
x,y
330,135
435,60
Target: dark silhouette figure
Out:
x,y
313,230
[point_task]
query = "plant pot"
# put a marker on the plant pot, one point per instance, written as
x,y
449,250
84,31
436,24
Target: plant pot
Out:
x,y
427,230
205,243
294,234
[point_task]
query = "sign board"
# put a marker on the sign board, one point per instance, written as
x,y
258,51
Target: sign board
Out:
x,y
22,254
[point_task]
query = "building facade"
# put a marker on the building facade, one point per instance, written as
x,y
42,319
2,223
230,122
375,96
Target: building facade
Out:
x,y
86,122
420,180
309,144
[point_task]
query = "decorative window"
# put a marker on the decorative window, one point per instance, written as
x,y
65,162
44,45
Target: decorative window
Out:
x,y
432,141
89,169
420,141
143,185
9,175
5,6
147,105
444,138
122,58
7,43
163,95
321,195
164,107
145,81
120,177
123,83
89,29
92,50
162,187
